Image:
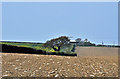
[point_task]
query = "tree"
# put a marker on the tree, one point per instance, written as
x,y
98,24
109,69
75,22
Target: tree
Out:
x,y
57,42
78,40
86,40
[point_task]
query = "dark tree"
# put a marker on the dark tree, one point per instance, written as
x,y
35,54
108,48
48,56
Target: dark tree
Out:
x,y
86,40
57,42
78,40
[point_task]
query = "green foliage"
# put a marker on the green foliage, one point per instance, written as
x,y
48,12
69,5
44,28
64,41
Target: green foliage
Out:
x,y
29,45
57,43
65,48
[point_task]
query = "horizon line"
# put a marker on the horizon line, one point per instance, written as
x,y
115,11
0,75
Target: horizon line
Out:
x,y
44,42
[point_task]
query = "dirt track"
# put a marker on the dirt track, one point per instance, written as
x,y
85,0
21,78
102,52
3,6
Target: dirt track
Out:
x,y
26,65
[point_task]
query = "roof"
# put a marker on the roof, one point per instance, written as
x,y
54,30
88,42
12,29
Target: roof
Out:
x,y
72,41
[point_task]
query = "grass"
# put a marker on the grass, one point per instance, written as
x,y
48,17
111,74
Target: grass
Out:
x,y
39,46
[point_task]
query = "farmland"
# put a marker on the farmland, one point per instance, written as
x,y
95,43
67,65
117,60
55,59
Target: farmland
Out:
x,y
97,51
28,65
90,62
39,46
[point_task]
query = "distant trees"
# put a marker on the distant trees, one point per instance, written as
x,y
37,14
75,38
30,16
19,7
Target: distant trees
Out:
x,y
84,42
78,40
57,42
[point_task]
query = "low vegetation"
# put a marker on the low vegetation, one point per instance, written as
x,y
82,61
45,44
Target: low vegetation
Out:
x,y
37,46
57,43
57,46
65,49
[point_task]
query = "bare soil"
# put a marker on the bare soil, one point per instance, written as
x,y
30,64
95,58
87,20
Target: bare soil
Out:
x,y
97,51
28,65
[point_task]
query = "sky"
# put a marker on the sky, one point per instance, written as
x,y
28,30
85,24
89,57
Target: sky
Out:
x,y
42,21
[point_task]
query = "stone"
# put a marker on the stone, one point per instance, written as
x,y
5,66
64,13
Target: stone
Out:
x,y
57,75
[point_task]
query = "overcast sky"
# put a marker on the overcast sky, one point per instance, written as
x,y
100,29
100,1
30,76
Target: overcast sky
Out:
x,y
41,21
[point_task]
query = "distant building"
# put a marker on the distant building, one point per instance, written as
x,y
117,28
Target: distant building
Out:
x,y
79,42
73,42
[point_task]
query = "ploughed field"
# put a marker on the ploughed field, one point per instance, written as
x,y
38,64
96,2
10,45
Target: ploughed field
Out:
x,y
28,65
97,51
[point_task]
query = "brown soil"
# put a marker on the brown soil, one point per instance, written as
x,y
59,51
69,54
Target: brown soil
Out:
x,y
97,51
27,65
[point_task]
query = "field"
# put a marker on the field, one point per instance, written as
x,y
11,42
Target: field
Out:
x,y
28,65
90,62
97,51
39,46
